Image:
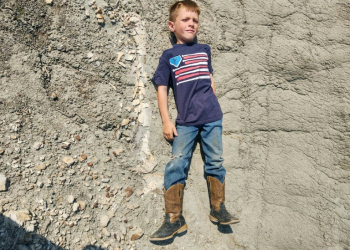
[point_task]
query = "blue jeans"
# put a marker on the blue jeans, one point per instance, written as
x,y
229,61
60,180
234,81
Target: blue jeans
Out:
x,y
211,141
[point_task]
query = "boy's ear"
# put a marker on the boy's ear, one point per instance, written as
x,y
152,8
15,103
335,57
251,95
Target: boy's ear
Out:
x,y
171,26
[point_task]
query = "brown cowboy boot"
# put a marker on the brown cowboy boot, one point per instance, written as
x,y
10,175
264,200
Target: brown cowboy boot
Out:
x,y
218,212
174,222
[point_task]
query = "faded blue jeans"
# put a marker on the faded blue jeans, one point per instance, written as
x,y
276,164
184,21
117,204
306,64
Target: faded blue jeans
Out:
x,y
211,141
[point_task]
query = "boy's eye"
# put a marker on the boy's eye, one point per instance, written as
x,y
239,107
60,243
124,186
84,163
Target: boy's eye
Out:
x,y
187,19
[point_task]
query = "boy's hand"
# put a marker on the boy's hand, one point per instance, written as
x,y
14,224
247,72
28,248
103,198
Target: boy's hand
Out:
x,y
169,131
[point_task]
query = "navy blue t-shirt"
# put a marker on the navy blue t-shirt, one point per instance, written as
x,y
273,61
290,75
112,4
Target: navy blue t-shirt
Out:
x,y
186,68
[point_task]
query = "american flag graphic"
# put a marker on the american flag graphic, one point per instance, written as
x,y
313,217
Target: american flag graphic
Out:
x,y
195,67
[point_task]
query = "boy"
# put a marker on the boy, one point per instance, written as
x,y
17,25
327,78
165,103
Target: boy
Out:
x,y
186,68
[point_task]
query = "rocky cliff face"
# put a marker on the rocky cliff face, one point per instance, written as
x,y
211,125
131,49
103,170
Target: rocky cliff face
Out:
x,y
81,148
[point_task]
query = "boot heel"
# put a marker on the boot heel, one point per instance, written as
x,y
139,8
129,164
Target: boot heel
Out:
x,y
213,219
182,229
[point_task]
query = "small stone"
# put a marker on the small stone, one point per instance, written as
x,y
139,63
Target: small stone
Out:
x,y
49,2
120,54
134,19
83,157
38,145
40,184
53,96
90,164
68,160
136,102
104,220
20,216
65,145
75,207
70,199
128,192
106,232
82,205
48,183
89,55
125,122
108,159
136,235
129,57
99,11
2,151
4,183
41,166
105,180
118,152
87,14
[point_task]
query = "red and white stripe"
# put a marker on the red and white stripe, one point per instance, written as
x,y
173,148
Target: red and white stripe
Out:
x,y
196,67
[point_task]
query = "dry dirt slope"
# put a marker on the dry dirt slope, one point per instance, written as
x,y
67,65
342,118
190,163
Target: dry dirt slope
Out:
x,y
80,138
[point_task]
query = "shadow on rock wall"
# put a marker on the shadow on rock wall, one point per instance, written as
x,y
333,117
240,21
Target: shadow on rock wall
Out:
x,y
13,236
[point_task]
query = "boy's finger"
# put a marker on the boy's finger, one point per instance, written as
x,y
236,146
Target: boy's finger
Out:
x,y
175,132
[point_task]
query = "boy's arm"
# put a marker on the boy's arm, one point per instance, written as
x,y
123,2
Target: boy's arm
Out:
x,y
169,129
212,83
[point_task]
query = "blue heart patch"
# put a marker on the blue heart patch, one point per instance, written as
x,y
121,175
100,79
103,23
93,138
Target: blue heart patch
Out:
x,y
175,61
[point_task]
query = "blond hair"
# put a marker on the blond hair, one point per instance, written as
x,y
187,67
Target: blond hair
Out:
x,y
187,4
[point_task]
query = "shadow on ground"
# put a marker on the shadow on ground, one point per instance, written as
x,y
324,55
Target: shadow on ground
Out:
x,y
15,237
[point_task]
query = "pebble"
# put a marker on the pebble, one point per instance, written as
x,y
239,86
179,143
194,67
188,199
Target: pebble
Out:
x,y
129,57
83,157
106,232
53,96
2,151
105,180
68,160
19,216
104,220
108,159
75,207
65,145
90,55
82,205
4,182
70,199
125,122
120,54
38,145
118,152
100,19
49,2
128,192
136,234
41,166
134,19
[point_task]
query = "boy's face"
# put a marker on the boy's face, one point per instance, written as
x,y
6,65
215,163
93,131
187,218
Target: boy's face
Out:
x,y
185,26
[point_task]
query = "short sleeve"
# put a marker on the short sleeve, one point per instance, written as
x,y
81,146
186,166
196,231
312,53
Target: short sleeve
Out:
x,y
162,74
209,60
